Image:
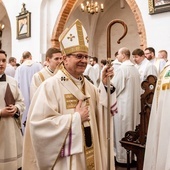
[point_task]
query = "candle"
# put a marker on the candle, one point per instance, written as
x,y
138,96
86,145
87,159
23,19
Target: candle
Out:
x,y
102,6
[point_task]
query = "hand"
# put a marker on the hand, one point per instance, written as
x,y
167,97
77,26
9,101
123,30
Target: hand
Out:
x,y
107,72
83,111
9,111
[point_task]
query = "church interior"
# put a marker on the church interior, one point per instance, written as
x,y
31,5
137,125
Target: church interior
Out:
x,y
36,26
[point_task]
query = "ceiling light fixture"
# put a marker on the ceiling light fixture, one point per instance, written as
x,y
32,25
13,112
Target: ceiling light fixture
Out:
x,y
92,7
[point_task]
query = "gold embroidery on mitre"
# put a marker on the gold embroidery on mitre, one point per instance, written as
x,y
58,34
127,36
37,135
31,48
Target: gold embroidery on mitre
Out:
x,y
80,35
71,37
73,49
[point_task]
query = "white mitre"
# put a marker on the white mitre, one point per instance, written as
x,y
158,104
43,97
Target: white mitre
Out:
x,y
74,39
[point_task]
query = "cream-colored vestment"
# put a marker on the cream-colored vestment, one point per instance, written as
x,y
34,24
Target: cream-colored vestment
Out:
x,y
38,78
54,138
10,134
157,154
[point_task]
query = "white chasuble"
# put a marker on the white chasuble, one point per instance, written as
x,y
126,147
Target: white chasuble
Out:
x,y
54,136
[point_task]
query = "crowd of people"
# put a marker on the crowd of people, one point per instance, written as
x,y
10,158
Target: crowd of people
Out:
x,y
55,116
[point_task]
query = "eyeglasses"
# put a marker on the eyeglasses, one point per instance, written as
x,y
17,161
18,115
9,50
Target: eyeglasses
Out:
x,y
80,56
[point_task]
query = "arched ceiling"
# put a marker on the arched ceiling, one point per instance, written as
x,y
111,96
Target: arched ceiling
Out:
x,y
69,5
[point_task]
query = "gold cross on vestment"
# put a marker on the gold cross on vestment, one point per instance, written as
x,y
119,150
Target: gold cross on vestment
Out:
x,y
71,37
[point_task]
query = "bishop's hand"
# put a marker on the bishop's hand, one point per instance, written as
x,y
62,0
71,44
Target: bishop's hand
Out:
x,y
107,73
83,111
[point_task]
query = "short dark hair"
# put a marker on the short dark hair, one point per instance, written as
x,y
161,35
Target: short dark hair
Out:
x,y
151,49
103,61
95,59
3,52
138,52
51,51
116,53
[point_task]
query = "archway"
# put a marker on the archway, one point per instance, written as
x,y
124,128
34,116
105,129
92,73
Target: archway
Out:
x,y
69,5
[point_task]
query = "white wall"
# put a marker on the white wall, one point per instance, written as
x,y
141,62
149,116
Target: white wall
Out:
x,y
34,43
157,27
131,40
45,12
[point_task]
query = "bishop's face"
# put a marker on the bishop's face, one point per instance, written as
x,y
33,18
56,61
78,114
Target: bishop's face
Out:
x,y
2,63
76,63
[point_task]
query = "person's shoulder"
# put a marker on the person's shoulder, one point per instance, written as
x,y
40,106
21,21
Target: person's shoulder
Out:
x,y
42,71
89,83
39,73
147,63
37,63
96,65
50,81
35,75
10,79
162,61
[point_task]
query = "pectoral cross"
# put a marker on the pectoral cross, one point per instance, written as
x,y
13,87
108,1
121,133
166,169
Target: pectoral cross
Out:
x,y
71,37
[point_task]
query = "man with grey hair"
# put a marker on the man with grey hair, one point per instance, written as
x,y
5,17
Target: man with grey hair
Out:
x,y
127,84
